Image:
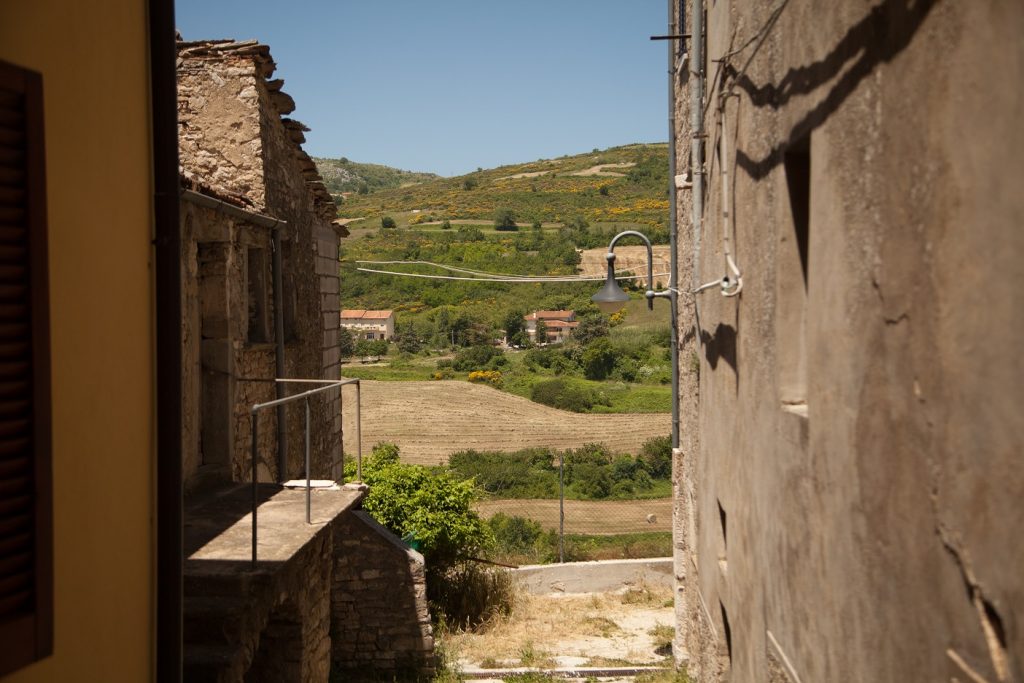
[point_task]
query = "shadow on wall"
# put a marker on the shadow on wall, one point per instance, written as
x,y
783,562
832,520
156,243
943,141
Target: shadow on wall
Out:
x,y
877,38
720,346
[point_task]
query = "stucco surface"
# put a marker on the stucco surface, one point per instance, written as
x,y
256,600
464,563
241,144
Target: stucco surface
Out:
x,y
101,315
860,524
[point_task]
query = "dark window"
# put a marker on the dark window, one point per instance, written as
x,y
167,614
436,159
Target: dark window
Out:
x,y
256,286
26,505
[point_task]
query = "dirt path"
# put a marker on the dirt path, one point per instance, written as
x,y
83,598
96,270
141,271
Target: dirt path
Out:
x,y
599,170
631,627
430,420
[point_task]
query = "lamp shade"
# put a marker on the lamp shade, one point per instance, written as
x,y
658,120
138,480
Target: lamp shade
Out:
x,y
610,298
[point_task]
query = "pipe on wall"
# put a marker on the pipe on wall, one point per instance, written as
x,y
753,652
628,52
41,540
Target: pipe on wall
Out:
x,y
673,257
282,415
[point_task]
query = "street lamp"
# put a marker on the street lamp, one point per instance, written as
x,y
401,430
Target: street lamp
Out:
x,y
610,298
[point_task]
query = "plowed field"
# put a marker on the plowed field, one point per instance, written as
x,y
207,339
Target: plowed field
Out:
x,y
430,420
629,257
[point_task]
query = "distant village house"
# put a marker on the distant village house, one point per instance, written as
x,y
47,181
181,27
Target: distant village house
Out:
x,y
558,325
369,324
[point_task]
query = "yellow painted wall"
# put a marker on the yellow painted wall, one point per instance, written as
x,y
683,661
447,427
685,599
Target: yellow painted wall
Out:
x,y
95,66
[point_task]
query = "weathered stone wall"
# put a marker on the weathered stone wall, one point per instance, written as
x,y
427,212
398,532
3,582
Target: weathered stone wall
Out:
x,y
857,484
219,131
380,621
235,146
289,197
264,626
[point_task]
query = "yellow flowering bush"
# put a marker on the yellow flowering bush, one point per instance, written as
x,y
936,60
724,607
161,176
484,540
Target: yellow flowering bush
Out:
x,y
492,377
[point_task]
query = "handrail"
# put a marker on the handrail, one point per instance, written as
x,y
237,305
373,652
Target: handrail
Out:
x,y
327,384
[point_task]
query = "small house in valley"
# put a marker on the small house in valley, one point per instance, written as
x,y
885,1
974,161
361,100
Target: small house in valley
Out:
x,y
369,324
557,326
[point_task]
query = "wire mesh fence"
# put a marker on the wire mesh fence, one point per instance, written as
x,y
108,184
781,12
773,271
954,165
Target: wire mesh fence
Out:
x,y
540,531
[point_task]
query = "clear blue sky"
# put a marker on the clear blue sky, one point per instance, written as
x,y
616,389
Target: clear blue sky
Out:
x,y
449,85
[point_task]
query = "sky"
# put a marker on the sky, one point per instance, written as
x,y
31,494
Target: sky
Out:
x,y
447,86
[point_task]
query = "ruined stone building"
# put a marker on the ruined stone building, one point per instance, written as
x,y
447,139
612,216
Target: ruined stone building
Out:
x,y
255,217
849,487
259,274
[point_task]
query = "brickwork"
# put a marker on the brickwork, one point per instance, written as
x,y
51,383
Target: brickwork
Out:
x,y
380,621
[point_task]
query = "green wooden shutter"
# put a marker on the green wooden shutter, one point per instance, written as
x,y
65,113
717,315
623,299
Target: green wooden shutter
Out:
x,y
26,505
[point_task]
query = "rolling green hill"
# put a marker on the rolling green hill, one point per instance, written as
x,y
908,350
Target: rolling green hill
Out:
x,y
619,187
342,175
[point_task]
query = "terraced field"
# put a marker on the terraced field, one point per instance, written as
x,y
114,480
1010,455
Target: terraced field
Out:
x,y
430,420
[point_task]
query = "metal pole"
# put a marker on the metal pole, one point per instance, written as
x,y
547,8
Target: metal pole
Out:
x,y
359,433
561,506
308,520
341,432
255,437
673,255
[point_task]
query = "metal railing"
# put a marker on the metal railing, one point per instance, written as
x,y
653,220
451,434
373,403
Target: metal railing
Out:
x,y
326,385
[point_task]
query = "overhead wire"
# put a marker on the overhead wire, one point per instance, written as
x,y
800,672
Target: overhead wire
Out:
x,y
484,276
519,280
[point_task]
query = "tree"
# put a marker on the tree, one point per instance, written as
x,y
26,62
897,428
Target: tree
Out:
x,y
469,184
346,343
407,340
541,334
505,219
387,222
598,359
431,507
656,456
591,327
446,224
515,327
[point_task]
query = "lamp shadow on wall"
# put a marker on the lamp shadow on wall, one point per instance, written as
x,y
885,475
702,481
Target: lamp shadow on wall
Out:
x,y
877,38
721,346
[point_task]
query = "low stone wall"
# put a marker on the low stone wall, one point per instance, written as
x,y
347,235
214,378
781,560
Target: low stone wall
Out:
x,y
341,594
380,622
594,577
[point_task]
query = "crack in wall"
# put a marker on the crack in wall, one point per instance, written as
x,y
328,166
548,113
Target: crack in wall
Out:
x,y
990,620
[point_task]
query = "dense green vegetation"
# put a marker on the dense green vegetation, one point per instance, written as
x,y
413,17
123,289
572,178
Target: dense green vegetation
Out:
x,y
519,540
342,175
592,472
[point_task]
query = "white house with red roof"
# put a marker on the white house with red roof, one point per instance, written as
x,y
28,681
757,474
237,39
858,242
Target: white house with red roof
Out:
x,y
558,325
369,324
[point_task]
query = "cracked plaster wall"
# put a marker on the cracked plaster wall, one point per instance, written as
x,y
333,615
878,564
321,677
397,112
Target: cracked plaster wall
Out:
x,y
877,537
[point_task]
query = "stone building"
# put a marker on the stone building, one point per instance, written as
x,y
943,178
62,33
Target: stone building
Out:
x,y
260,268
277,587
849,484
558,325
369,324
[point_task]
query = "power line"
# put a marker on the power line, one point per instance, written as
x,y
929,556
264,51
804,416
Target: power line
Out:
x,y
524,281
484,276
